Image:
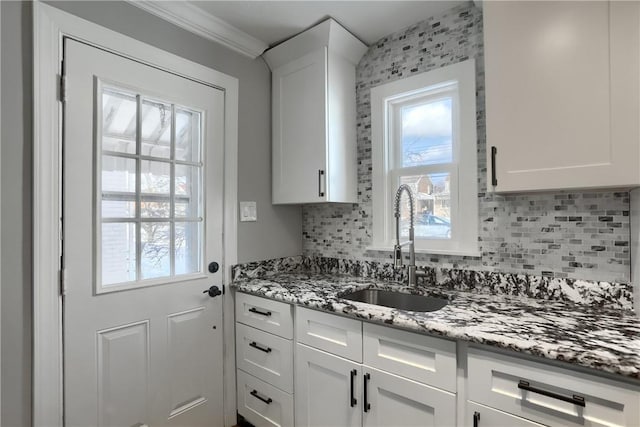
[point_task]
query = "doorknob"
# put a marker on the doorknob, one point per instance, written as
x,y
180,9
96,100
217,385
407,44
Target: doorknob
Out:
x,y
213,267
213,291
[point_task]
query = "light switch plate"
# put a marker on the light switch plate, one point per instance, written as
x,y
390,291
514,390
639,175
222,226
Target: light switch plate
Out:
x,y
248,211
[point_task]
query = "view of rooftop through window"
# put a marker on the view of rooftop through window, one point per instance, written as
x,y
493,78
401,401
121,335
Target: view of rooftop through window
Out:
x,y
427,139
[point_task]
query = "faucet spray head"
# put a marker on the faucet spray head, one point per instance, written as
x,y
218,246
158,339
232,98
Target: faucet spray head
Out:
x,y
397,256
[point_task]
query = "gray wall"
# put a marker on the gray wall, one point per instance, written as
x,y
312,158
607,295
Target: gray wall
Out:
x,y
16,214
578,234
277,232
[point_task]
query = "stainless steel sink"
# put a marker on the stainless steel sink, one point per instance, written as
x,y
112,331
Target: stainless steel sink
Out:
x,y
397,300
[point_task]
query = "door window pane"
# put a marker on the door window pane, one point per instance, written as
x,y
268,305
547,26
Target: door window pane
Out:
x,y
187,247
118,121
118,253
187,180
187,187
156,129
118,208
187,135
432,206
150,209
155,207
427,133
118,174
155,177
155,260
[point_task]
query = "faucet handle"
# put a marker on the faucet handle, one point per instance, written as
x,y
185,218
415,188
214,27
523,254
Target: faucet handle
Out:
x,y
397,256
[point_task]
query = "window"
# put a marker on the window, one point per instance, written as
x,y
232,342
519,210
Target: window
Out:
x,y
149,190
424,135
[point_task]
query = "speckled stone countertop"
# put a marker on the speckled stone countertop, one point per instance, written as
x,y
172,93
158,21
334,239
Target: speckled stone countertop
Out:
x,y
601,339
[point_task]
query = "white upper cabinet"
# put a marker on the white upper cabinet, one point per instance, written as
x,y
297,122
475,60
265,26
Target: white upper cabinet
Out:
x,y
562,94
314,115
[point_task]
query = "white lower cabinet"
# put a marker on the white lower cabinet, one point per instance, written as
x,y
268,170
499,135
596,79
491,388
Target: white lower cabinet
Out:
x,y
331,390
262,404
395,401
482,416
343,372
325,387
264,358
549,394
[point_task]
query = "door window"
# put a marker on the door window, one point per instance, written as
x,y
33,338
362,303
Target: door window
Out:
x,y
150,189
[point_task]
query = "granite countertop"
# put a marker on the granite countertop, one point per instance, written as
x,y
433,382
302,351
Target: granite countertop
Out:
x,y
602,339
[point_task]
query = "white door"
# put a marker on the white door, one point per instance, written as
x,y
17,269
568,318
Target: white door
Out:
x,y
327,392
142,219
393,401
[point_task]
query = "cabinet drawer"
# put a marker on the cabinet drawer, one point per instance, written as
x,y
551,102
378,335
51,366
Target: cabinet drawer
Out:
x,y
333,334
262,404
265,356
267,315
502,381
489,417
421,358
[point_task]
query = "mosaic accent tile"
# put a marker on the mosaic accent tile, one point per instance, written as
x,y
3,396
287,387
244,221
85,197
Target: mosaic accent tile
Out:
x,y
579,235
590,293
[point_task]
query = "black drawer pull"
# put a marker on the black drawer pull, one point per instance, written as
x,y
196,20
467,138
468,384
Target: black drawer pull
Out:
x,y
576,400
476,419
256,311
367,405
353,398
256,346
494,180
255,394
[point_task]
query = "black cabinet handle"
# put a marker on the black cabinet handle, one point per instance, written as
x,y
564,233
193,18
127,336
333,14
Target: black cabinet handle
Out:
x,y
320,175
256,346
353,398
256,311
494,180
255,394
575,399
476,419
367,405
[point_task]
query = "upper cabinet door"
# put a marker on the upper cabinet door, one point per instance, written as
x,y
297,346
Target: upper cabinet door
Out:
x,y
562,94
314,115
300,130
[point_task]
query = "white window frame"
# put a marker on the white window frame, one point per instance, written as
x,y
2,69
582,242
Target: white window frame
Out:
x,y
172,277
387,99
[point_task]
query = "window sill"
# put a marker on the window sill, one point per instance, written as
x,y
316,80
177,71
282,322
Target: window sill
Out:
x,y
470,253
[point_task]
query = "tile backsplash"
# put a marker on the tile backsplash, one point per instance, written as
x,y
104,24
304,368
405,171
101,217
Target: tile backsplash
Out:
x,y
576,234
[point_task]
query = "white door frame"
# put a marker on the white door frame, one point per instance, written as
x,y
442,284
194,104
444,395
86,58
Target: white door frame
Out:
x,y
50,26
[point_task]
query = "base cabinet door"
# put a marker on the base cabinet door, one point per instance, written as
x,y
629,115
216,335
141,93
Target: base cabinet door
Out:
x,y
390,400
327,390
482,416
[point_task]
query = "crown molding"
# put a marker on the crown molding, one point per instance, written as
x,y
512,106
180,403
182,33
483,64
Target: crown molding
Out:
x,y
192,18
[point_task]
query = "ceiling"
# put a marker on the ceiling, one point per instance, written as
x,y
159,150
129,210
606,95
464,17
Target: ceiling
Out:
x,y
275,21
